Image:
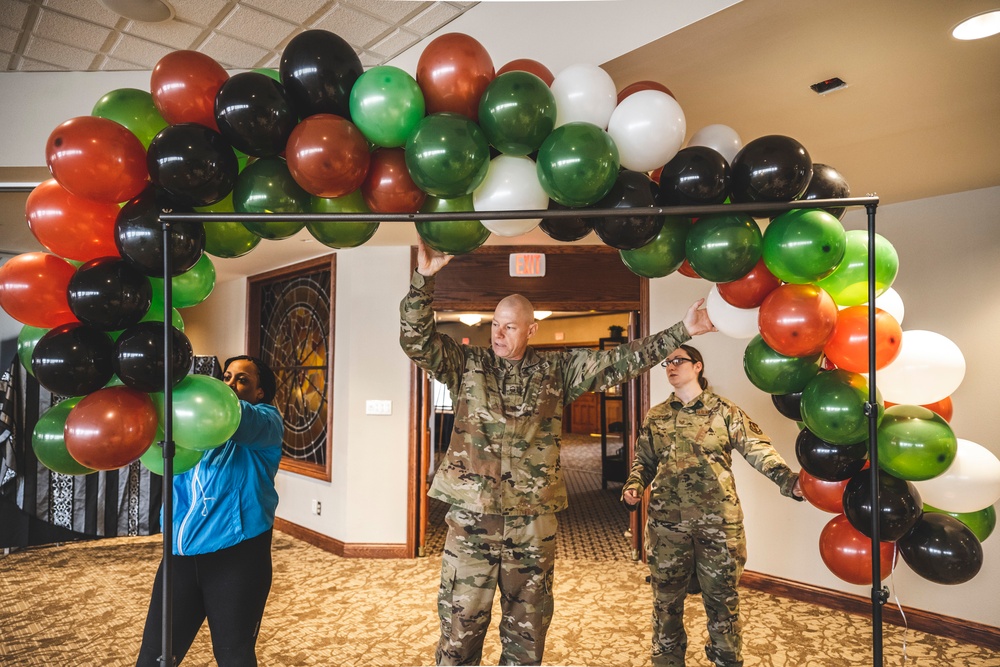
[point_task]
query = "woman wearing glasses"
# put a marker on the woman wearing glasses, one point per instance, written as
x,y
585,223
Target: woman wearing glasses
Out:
x,y
695,525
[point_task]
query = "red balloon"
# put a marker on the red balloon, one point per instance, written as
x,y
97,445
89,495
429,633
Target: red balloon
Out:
x,y
827,496
96,158
111,427
750,290
453,72
184,84
797,320
686,270
33,289
848,346
848,553
656,174
943,407
643,85
327,155
388,188
528,65
71,226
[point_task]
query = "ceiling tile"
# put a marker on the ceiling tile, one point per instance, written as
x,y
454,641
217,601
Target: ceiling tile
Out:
x,y
390,10
30,65
175,34
395,43
232,53
433,18
92,11
297,12
356,27
13,14
67,30
200,12
5,60
61,55
252,26
140,51
8,39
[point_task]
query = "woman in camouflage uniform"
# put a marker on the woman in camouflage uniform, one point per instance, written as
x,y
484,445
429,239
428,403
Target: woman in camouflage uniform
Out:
x,y
695,524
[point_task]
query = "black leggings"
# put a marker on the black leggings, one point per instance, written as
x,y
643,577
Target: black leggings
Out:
x,y
228,587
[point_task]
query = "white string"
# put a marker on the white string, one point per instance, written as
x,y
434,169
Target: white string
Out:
x,y
899,606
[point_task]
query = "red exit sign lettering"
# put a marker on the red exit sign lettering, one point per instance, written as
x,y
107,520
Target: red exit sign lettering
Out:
x,y
527,265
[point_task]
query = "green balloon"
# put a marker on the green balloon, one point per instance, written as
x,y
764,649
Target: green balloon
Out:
x,y
452,237
981,523
49,443
517,112
915,443
833,407
184,459
848,284
134,109
341,234
775,373
804,245
577,164
386,104
266,186
206,412
26,341
227,239
191,287
664,254
267,71
447,155
722,248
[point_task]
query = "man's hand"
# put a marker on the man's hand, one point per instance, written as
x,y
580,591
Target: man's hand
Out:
x,y
631,496
429,260
696,320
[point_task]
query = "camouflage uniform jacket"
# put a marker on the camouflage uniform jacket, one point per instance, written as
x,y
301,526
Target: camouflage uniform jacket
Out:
x,y
504,452
686,451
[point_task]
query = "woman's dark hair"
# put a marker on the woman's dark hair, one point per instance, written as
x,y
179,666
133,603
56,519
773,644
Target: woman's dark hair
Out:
x,y
268,383
696,356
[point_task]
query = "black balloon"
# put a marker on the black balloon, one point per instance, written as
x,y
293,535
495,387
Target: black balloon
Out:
x,y
139,353
254,114
318,69
565,228
695,175
789,405
827,183
942,549
899,505
632,189
73,359
772,168
827,461
193,164
109,294
139,235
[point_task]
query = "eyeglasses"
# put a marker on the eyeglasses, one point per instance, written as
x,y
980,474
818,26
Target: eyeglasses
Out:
x,y
676,362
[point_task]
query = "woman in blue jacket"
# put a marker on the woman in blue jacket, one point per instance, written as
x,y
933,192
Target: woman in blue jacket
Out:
x,y
223,516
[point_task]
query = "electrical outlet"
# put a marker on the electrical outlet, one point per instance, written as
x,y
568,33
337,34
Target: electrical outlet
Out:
x,y
317,507
382,408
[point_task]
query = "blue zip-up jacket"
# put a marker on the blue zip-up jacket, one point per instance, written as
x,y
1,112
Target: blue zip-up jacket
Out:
x,y
229,496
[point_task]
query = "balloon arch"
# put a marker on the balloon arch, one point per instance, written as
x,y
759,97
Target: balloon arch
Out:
x,y
207,164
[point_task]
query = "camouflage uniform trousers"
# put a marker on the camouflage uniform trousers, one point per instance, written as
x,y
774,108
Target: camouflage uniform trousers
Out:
x,y
715,553
483,551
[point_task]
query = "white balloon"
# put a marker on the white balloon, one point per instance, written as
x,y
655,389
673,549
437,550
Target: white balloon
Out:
x,y
648,127
970,483
584,93
892,303
730,320
511,184
929,368
721,138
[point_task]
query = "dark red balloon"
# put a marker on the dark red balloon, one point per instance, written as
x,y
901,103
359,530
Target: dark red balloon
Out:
x,y
686,270
750,290
111,427
71,226
643,85
96,158
528,65
327,155
824,495
797,320
388,187
848,553
184,85
453,72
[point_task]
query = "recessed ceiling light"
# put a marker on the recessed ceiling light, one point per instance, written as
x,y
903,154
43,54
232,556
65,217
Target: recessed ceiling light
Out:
x,y
982,25
147,11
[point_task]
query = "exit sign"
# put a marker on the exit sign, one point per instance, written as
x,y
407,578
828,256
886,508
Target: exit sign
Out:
x,y
527,265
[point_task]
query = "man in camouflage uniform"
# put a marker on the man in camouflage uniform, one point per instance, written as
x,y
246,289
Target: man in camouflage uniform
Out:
x,y
501,473
695,523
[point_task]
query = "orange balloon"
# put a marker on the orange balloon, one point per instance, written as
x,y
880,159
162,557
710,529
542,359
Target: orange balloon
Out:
x,y
686,270
453,72
528,65
96,158
111,427
848,346
71,226
848,553
388,188
33,289
943,407
797,320
750,290
327,155
184,84
643,85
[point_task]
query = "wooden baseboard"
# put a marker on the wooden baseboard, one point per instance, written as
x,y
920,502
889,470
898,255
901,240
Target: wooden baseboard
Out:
x,y
337,547
924,621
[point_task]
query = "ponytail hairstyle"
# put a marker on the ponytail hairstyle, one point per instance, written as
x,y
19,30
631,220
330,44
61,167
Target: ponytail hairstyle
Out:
x,y
696,356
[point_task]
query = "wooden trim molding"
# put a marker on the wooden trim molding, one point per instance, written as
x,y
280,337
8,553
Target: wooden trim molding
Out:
x,y
917,619
338,548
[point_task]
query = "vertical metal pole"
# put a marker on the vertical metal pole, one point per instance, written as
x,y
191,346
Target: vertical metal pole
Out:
x,y
871,408
166,656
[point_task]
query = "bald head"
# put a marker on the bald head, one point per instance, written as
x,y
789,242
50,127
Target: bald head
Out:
x,y
513,324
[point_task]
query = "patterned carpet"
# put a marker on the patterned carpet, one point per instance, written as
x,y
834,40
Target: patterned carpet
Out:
x,y
83,605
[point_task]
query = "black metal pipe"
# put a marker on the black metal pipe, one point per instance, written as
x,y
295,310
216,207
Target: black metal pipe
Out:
x,y
166,656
